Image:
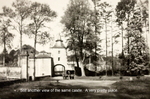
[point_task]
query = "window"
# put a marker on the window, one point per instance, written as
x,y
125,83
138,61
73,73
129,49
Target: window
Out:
x,y
58,58
58,52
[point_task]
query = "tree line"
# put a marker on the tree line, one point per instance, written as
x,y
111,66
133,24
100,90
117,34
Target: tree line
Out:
x,y
25,17
84,23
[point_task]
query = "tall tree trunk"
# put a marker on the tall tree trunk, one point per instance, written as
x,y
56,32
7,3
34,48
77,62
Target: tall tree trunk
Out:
x,y
106,43
95,35
77,60
148,30
4,51
128,41
34,68
122,38
81,62
122,49
112,49
20,42
19,57
149,35
82,68
112,61
4,58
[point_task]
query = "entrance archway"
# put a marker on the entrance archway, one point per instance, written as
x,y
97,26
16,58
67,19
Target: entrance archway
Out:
x,y
59,69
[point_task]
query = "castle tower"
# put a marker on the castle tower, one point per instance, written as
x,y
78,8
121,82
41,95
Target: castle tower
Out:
x,y
60,57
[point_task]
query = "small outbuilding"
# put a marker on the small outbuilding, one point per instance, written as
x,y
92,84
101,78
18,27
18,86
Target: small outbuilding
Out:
x,y
43,66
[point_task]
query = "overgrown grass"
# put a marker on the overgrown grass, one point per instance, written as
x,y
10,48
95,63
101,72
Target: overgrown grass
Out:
x,y
136,89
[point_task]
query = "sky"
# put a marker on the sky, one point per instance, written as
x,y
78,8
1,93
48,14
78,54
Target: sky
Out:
x,y
56,27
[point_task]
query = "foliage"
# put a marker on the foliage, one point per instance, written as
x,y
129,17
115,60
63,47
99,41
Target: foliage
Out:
x,y
144,10
44,38
78,26
5,36
137,59
40,14
123,10
18,14
11,58
137,42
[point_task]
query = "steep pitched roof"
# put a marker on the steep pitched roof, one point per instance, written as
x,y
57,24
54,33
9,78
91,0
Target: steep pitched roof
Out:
x,y
28,48
42,55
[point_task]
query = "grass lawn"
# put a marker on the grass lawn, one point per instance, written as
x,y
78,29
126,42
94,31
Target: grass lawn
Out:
x,y
136,89
33,90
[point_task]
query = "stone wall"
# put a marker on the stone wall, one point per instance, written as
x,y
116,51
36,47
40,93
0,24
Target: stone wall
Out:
x,y
10,72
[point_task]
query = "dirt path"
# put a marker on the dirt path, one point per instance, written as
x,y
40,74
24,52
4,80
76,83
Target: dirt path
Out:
x,y
85,82
88,83
64,89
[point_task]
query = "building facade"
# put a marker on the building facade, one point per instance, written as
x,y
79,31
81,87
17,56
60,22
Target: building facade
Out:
x,y
59,54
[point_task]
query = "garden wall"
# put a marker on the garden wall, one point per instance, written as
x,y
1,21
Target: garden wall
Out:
x,y
10,72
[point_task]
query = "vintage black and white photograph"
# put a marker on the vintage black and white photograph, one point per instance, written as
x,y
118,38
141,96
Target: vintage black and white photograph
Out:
x,y
74,49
